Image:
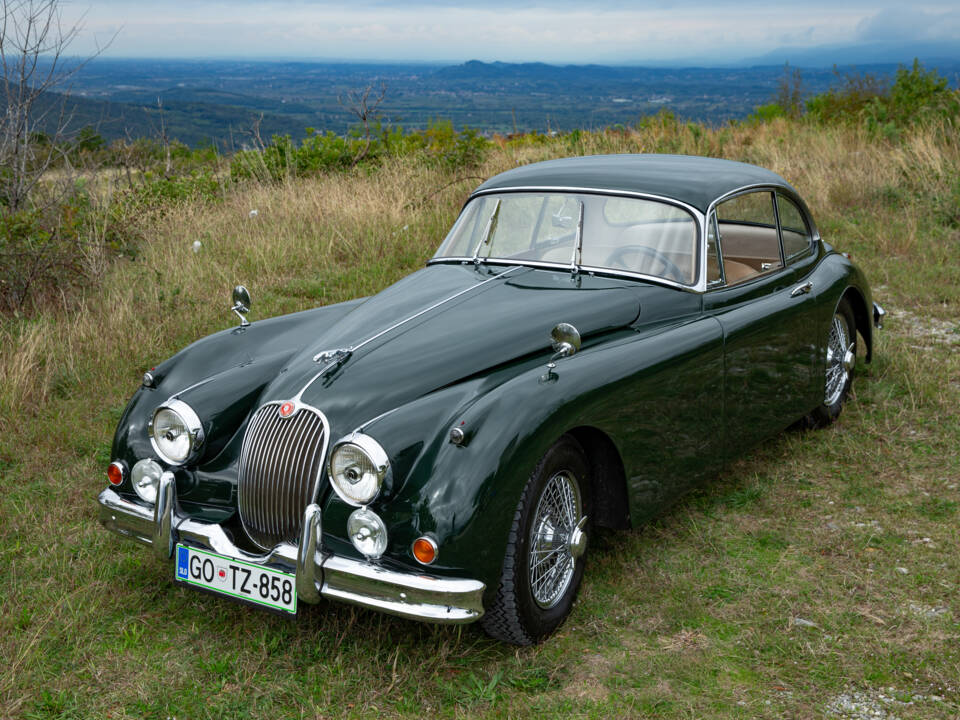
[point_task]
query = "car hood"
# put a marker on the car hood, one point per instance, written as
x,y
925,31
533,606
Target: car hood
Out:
x,y
440,325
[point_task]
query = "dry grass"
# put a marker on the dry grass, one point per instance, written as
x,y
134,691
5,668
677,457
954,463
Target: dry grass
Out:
x,y
696,615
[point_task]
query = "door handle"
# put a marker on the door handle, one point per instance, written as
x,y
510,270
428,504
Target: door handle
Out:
x,y
801,289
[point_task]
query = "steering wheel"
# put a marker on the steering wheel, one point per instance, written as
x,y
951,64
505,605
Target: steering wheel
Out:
x,y
670,270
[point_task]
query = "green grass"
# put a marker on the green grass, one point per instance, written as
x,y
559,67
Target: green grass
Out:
x,y
824,563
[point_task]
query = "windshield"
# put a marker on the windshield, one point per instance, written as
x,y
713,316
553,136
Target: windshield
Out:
x,y
591,231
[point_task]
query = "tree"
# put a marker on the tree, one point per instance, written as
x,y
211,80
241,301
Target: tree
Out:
x,y
365,110
34,95
790,92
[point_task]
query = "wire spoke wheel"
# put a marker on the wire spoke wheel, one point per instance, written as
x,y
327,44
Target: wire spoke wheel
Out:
x,y
838,373
551,562
545,555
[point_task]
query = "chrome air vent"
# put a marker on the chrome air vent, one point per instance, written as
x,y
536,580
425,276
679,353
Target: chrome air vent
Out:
x,y
280,468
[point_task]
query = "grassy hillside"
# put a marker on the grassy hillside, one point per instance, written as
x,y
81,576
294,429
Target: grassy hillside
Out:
x,y
818,576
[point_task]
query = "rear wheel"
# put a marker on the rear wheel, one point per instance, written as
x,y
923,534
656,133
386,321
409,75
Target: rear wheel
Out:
x,y
543,564
841,359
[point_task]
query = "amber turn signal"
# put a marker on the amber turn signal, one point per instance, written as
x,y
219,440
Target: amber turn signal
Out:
x,y
116,472
424,550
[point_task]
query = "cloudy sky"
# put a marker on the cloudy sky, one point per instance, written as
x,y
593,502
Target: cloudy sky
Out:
x,y
609,31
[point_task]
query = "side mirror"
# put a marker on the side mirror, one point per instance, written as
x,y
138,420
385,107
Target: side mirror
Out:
x,y
565,339
241,304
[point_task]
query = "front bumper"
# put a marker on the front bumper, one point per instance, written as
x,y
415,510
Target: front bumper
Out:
x,y
318,573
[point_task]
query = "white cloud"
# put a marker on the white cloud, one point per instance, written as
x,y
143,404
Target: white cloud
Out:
x,y
900,25
558,31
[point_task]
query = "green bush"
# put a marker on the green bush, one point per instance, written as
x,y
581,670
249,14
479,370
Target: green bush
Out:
x,y
917,95
35,260
440,144
157,191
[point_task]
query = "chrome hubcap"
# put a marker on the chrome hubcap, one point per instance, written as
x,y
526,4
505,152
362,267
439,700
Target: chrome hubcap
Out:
x,y
557,539
840,359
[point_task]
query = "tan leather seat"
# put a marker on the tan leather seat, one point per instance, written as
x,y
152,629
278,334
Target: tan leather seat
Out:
x,y
737,271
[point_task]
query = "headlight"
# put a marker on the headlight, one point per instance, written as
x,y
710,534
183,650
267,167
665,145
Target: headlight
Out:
x,y
367,532
146,478
175,432
358,467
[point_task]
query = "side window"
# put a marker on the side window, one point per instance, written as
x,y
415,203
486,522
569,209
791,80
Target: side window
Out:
x,y
796,234
749,241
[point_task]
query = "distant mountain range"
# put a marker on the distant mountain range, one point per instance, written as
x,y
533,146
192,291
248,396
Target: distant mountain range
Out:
x,y
227,101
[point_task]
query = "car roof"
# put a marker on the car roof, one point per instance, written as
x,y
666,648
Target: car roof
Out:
x,y
696,181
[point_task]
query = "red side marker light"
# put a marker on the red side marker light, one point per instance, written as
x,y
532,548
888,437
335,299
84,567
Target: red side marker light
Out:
x,y
115,473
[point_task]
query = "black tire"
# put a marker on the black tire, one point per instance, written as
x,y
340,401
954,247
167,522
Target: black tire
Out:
x,y
528,605
838,373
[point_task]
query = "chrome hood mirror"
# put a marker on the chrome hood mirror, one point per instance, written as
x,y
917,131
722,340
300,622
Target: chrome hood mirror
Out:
x,y
241,304
565,340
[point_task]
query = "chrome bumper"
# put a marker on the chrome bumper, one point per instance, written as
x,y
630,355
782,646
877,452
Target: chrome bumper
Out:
x,y
878,315
318,573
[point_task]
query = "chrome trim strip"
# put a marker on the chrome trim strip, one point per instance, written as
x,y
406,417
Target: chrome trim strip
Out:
x,y
407,594
432,307
586,191
354,348
593,269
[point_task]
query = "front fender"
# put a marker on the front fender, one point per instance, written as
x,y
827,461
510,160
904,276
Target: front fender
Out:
x,y
466,495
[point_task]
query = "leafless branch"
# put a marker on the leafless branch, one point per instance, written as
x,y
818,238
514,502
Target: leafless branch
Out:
x,y
360,106
35,92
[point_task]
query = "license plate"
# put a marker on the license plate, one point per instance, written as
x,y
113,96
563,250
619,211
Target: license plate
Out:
x,y
253,583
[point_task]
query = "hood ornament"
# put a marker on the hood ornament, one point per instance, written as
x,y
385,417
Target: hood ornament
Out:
x,y
332,359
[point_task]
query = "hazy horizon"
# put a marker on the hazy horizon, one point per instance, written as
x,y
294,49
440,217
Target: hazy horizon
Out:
x,y
610,32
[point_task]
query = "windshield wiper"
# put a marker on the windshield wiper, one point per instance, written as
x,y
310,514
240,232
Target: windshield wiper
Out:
x,y
488,232
577,256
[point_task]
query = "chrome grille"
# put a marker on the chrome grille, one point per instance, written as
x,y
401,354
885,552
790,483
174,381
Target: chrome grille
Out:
x,y
280,468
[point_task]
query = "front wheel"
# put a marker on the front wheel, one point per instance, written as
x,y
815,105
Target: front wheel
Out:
x,y
841,359
543,564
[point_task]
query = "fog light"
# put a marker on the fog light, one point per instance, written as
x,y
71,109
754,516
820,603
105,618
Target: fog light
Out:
x,y
146,477
117,472
367,532
424,550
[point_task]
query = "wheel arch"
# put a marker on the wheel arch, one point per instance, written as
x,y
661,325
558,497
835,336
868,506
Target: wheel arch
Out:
x,y
608,481
861,317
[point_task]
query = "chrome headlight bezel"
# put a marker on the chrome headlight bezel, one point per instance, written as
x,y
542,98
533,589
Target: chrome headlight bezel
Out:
x,y
367,532
150,470
378,459
192,424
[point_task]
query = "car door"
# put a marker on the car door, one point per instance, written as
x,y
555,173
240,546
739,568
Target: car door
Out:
x,y
765,310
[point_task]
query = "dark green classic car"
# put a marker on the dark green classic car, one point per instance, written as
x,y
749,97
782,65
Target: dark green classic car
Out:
x,y
594,337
